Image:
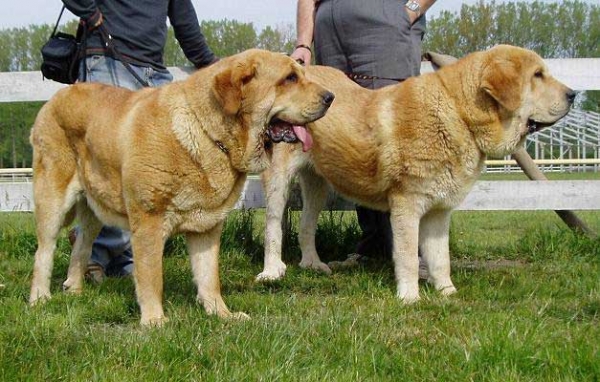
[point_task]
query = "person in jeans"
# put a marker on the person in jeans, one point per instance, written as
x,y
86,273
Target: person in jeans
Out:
x,y
379,41
137,29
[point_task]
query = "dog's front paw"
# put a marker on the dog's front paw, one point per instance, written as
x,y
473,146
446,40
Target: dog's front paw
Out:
x,y
226,314
38,297
272,272
72,286
154,322
447,290
408,295
240,316
316,265
443,284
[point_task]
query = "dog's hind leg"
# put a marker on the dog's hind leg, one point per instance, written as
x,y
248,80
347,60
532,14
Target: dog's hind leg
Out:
x,y
276,183
314,196
90,227
204,256
54,197
433,241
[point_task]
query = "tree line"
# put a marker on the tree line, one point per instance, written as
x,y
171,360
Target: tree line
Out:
x,y
566,29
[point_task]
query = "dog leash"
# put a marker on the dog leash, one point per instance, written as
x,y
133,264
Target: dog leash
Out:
x,y
355,77
111,48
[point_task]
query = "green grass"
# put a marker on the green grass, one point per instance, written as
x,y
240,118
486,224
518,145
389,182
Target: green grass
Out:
x,y
528,309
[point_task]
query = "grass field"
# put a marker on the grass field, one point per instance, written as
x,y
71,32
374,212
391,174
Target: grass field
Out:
x,y
528,309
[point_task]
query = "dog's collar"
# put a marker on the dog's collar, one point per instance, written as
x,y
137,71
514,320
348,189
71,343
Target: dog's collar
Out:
x,y
222,147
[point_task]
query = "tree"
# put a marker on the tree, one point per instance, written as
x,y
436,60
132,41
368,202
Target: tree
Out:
x,y
228,37
567,30
16,119
277,40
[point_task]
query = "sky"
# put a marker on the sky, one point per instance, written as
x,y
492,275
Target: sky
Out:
x,y
262,13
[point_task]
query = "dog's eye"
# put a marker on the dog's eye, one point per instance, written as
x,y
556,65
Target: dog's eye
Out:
x,y
539,74
292,78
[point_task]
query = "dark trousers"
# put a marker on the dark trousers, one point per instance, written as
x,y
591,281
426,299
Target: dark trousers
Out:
x,y
375,39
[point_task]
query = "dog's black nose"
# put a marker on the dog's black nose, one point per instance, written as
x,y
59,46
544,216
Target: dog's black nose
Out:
x,y
328,98
571,94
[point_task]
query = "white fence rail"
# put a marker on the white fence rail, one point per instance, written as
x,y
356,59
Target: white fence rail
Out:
x,y
486,195
577,73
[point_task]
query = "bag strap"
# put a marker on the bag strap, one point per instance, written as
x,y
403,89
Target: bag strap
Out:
x,y
58,20
110,46
81,38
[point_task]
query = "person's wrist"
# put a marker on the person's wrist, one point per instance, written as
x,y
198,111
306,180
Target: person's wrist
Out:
x,y
413,9
412,16
304,46
95,20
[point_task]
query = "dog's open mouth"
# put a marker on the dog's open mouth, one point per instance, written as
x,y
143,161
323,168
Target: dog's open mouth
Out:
x,y
533,126
280,130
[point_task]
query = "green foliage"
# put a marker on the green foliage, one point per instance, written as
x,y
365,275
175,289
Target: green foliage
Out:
x,y
228,37
337,235
16,119
277,40
568,29
592,101
239,234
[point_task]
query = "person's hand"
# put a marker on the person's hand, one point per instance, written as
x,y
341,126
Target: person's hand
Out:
x,y
302,54
99,22
412,16
95,21
202,66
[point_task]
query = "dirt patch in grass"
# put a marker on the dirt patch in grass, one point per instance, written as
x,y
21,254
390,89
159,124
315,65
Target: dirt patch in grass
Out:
x,y
488,264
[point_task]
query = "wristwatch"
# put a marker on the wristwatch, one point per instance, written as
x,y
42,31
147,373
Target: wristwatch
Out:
x,y
413,5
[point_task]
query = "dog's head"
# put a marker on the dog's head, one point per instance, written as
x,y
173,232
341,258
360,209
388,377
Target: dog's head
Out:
x,y
273,101
523,95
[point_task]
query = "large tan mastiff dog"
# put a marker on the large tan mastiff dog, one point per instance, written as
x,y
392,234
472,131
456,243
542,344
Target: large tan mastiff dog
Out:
x,y
162,161
414,149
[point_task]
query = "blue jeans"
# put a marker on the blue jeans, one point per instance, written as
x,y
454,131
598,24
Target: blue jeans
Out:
x,y
112,247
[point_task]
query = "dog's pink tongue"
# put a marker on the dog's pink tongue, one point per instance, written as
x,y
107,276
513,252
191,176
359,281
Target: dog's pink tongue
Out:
x,y
304,137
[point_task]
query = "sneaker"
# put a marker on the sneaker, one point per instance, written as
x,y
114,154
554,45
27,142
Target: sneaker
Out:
x,y
95,274
72,236
353,261
423,272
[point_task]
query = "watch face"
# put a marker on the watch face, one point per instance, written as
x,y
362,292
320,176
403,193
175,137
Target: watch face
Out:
x,y
413,6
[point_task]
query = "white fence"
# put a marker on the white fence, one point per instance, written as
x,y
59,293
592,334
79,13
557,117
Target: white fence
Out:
x,y
579,74
486,195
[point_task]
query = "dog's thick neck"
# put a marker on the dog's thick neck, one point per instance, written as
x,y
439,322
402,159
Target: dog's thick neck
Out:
x,y
493,128
201,104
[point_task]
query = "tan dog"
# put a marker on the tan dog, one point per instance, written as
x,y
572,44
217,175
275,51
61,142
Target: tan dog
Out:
x,y
414,149
162,161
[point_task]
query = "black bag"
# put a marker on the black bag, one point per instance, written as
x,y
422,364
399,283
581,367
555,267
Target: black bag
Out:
x,y
61,55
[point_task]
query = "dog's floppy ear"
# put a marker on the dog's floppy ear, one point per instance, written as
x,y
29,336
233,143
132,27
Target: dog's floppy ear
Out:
x,y
227,86
502,80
